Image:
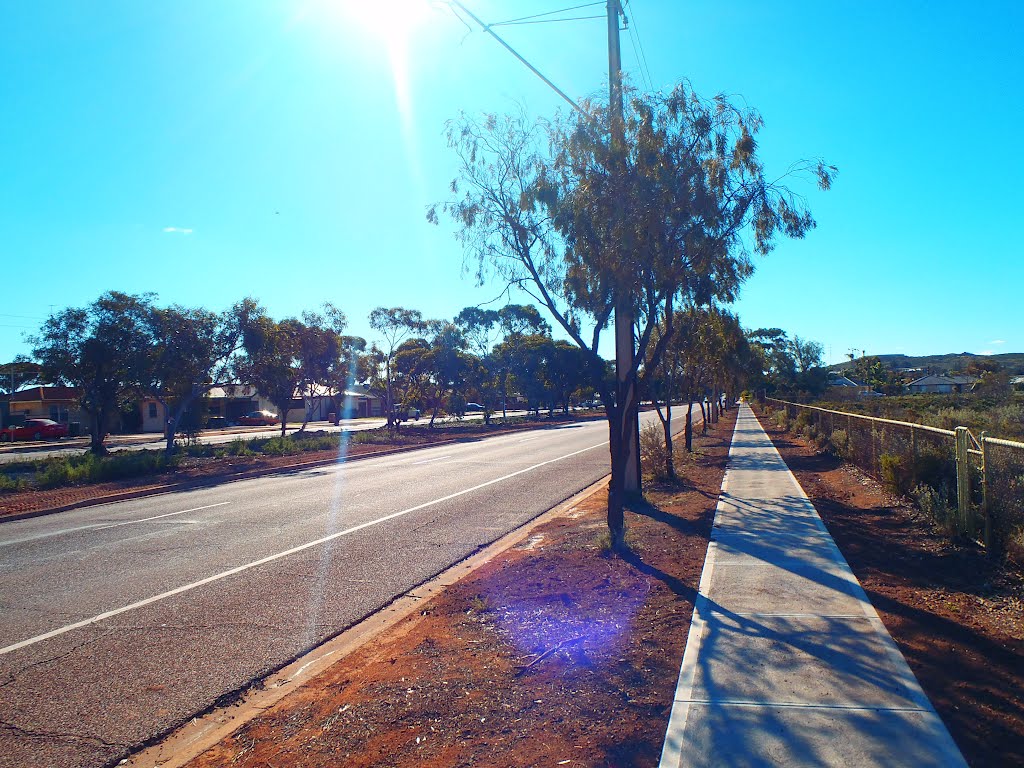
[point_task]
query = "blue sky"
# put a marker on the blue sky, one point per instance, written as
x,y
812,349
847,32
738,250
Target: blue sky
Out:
x,y
288,151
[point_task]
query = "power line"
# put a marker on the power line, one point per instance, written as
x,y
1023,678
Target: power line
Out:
x,y
636,52
545,21
514,52
643,54
547,13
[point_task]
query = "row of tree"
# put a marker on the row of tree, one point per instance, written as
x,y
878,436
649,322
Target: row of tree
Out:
x,y
123,347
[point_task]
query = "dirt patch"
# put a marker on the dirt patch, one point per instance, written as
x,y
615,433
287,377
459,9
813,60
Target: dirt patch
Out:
x,y
552,654
957,617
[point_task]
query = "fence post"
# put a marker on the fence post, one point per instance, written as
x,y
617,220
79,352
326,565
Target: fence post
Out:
x,y
963,478
874,453
984,493
913,458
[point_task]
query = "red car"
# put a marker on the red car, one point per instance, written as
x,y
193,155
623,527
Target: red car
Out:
x,y
259,419
35,429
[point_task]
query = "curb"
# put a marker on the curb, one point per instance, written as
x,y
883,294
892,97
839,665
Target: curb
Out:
x,y
207,729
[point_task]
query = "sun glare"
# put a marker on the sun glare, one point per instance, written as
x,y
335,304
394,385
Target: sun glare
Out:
x,y
393,22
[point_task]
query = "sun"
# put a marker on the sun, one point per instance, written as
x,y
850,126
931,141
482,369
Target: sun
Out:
x,y
393,22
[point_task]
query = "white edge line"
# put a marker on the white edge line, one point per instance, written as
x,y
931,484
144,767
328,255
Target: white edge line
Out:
x,y
429,461
277,556
158,517
102,526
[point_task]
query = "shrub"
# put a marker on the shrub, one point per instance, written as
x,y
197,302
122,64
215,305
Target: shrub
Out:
x,y
935,504
239,447
839,443
804,419
8,483
894,473
652,451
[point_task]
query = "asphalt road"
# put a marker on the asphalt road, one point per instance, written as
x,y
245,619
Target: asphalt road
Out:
x,y
119,622
13,452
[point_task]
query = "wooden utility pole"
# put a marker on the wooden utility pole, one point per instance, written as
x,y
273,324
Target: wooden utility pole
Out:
x,y
626,403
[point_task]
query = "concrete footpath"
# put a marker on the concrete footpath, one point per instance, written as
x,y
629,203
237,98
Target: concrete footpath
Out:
x,y
787,662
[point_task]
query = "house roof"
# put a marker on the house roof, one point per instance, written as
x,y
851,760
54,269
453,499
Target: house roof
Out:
x,y
843,381
45,395
938,380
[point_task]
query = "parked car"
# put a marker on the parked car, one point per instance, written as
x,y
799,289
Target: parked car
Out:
x,y
473,407
216,422
403,412
35,429
259,419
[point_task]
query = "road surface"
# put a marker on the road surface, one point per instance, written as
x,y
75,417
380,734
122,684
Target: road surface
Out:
x,y
14,452
120,621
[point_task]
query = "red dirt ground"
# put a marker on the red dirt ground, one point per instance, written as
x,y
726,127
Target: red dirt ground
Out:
x,y
957,617
551,654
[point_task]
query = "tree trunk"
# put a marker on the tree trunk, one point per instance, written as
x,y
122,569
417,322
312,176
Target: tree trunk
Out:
x,y
703,419
688,431
307,413
390,394
170,426
666,425
670,462
616,495
97,433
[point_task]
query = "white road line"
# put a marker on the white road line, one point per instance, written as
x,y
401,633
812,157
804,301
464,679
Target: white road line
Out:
x,y
158,517
428,461
104,526
279,555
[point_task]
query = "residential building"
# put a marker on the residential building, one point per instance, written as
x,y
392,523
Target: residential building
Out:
x,y
232,401
943,385
54,402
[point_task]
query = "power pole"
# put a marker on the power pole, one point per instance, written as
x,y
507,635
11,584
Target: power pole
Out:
x,y
625,347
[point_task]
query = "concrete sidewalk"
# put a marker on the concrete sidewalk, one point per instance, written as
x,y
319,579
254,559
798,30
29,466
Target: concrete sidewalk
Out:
x,y
787,662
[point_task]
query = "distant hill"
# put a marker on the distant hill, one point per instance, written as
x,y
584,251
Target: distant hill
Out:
x,y
1012,362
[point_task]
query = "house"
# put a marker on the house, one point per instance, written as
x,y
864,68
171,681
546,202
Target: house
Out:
x,y
54,402
943,385
844,388
360,403
232,401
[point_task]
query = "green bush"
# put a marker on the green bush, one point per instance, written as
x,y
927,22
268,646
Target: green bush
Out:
x,y
8,483
652,451
935,503
240,447
804,419
839,443
894,473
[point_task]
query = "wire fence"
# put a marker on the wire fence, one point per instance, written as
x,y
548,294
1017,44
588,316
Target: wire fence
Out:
x,y
972,485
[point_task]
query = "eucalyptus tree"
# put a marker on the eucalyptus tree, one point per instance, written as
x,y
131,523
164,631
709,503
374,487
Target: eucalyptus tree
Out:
x,y
395,325
558,211
272,361
102,350
18,373
190,351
